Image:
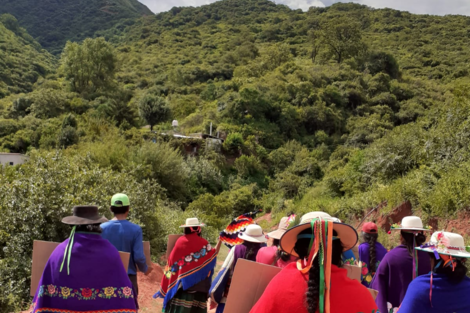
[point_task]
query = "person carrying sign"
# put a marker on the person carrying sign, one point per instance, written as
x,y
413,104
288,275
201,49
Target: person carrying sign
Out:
x,y
188,273
316,282
85,272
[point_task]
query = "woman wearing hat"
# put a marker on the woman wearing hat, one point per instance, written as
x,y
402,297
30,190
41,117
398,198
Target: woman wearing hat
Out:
x,y
371,252
273,255
316,282
187,276
85,272
446,288
401,265
253,239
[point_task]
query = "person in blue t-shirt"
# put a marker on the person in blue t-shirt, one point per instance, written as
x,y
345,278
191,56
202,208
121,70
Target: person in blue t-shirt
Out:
x,y
126,237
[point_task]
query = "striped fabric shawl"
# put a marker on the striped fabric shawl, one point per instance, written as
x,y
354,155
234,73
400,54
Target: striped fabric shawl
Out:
x,y
192,260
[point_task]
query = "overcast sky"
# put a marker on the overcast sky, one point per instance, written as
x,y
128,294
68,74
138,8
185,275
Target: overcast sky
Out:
x,y
440,7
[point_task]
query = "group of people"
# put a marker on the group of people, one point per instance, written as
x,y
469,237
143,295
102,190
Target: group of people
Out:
x,y
85,272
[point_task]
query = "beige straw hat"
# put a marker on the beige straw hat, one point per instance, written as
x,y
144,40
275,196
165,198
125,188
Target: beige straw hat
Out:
x,y
253,233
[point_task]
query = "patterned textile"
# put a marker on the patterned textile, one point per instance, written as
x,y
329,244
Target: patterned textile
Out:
x,y
191,261
97,281
229,236
364,257
185,302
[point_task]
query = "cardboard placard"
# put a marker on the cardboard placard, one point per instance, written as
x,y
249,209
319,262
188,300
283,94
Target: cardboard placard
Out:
x,y
249,281
171,244
148,258
42,250
354,272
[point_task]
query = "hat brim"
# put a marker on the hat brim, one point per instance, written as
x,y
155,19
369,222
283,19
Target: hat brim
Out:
x,y
346,233
277,234
198,225
458,254
260,239
409,228
75,220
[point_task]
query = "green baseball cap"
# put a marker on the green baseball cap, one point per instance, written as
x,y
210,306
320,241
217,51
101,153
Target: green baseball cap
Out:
x,y
120,200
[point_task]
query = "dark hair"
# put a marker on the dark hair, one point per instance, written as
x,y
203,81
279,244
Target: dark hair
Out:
x,y
408,238
251,250
455,276
371,239
280,255
119,209
91,228
313,289
190,230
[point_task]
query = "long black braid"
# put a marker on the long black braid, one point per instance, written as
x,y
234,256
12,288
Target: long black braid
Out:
x,y
371,239
408,237
313,285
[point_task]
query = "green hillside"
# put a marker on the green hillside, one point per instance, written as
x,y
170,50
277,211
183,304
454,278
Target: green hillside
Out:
x,y
22,60
339,109
53,22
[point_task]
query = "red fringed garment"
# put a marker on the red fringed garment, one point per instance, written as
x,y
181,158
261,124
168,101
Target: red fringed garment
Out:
x,y
286,293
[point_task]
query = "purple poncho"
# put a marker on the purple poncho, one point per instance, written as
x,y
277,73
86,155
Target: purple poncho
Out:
x,y
97,282
395,273
364,257
446,296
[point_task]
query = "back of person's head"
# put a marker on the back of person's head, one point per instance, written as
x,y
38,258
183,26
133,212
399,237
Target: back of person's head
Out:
x,y
408,238
251,249
119,210
90,228
455,275
191,230
280,255
120,204
313,289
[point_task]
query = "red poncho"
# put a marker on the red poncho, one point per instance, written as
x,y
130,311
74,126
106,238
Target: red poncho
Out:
x,y
191,261
286,293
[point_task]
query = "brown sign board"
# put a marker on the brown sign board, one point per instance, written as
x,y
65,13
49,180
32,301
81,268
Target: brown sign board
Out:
x,y
148,258
373,292
249,281
354,272
171,244
42,250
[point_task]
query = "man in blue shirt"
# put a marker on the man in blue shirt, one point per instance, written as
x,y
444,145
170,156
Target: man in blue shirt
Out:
x,y
126,237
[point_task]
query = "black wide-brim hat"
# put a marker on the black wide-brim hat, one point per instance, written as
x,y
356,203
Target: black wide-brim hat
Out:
x,y
84,215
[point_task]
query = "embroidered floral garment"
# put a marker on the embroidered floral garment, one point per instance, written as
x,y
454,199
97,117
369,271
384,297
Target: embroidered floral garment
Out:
x,y
364,257
191,261
97,282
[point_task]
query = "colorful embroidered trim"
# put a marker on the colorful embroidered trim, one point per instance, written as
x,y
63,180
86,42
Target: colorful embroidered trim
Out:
x,y
50,310
193,257
85,293
189,304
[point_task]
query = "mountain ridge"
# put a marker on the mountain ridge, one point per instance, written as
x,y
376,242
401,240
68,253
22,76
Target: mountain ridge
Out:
x,y
53,22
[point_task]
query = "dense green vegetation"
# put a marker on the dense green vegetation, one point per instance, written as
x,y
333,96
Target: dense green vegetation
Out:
x,y
337,109
53,22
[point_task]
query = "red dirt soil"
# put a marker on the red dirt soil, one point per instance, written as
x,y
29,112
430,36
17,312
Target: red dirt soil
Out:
x,y
148,286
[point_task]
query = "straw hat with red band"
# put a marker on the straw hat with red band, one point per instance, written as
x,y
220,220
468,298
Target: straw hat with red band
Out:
x,y
346,234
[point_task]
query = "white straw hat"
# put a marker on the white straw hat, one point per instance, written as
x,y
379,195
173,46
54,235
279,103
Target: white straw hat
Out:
x,y
253,233
282,228
447,244
307,218
192,222
411,223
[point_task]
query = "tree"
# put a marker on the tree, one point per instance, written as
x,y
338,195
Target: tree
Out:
x,y
89,67
342,38
153,109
